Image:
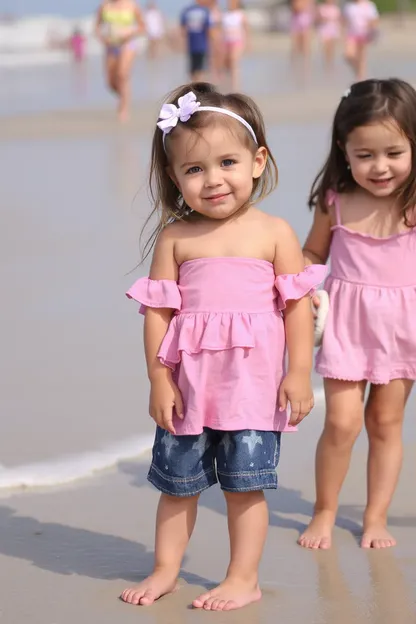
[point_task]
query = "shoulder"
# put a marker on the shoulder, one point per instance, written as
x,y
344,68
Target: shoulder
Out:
x,y
277,226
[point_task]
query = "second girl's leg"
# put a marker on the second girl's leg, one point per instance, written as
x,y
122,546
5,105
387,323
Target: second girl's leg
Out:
x,y
384,421
125,64
343,423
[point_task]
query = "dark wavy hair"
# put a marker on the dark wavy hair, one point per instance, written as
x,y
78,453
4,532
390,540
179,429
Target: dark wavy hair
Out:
x,y
168,203
367,102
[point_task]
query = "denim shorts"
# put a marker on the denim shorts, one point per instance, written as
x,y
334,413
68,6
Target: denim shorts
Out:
x,y
241,461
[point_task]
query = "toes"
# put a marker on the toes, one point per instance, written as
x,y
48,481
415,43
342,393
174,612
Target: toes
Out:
x,y
199,602
229,605
146,599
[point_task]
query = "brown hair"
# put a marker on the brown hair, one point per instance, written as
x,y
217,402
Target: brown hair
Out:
x,y
368,102
168,203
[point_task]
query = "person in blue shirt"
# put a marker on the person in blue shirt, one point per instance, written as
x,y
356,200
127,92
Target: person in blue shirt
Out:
x,y
196,24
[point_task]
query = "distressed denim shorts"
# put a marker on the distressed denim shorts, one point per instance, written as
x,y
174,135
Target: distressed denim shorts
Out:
x,y
241,461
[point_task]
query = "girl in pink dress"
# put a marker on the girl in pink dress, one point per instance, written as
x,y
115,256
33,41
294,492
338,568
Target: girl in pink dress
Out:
x,y
364,200
328,16
361,19
301,26
227,292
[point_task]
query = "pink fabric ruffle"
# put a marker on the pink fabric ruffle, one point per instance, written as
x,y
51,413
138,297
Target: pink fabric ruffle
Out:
x,y
193,333
155,294
296,286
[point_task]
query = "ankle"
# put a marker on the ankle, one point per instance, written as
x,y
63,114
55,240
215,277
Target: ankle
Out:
x,y
247,577
372,516
166,569
319,510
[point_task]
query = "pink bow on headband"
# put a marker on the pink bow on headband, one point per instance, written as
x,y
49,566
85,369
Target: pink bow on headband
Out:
x,y
170,114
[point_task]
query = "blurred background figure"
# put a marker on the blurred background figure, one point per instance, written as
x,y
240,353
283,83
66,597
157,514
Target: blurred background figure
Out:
x,y
155,28
118,24
301,25
77,43
236,37
361,24
328,17
216,42
196,29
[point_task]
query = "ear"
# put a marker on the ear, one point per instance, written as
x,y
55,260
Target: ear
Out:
x,y
260,160
172,176
344,151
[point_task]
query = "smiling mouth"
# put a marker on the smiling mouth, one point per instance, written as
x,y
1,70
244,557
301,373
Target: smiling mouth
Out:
x,y
381,180
216,197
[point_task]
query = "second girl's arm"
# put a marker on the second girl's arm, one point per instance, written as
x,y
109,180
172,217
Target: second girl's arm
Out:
x,y
318,242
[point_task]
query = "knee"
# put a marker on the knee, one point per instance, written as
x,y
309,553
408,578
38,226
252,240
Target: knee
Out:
x,y
112,83
343,430
244,499
382,424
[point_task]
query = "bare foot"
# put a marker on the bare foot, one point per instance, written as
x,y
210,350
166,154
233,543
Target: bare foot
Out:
x,y
152,588
230,594
319,532
375,535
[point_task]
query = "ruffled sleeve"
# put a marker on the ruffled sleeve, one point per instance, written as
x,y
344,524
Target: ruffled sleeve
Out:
x,y
155,294
296,286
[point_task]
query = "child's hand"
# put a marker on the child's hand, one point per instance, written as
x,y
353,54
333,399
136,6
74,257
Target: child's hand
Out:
x,y
316,302
164,397
296,389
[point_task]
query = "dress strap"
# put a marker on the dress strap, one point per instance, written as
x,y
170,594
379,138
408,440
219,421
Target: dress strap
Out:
x,y
333,200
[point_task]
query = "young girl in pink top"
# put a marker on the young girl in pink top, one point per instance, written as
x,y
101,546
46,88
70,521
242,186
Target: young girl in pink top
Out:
x,y
364,200
361,20
328,16
227,292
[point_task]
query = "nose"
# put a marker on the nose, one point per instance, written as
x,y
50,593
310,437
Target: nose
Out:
x,y
380,165
213,177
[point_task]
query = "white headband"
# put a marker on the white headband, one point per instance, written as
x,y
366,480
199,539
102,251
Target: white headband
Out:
x,y
187,106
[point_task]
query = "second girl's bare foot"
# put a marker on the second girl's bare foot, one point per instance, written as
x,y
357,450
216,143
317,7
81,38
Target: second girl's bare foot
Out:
x,y
155,586
319,532
230,594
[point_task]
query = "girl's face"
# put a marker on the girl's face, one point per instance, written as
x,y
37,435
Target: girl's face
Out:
x,y
214,170
380,157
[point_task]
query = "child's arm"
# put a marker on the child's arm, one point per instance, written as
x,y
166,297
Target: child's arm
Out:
x,y
164,394
296,388
98,24
318,242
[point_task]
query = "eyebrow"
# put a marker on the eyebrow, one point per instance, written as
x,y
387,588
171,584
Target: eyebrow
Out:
x,y
368,149
198,162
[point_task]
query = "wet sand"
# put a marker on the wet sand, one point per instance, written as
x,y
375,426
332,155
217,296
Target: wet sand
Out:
x,y
73,381
69,553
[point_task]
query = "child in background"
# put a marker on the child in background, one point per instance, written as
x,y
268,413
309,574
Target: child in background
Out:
x,y
227,292
328,16
361,19
364,200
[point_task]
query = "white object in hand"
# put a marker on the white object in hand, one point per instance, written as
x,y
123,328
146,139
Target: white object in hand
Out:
x,y
320,314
